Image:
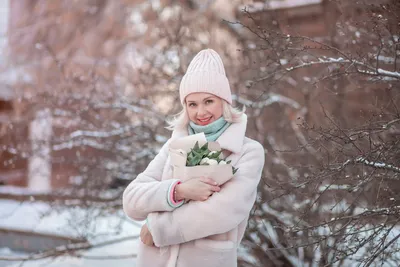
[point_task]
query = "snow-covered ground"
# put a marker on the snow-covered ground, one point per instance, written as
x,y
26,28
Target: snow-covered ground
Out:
x,y
72,222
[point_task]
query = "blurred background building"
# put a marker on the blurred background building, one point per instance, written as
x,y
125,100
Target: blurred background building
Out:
x,y
92,33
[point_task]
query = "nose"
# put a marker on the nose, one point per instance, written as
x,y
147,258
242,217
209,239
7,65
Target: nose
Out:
x,y
201,111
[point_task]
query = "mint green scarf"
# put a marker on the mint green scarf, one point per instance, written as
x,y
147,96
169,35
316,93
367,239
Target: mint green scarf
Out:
x,y
212,130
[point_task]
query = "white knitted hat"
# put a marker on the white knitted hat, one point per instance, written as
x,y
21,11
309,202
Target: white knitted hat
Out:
x,y
206,74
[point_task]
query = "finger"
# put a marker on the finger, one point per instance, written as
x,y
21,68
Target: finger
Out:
x,y
215,188
208,180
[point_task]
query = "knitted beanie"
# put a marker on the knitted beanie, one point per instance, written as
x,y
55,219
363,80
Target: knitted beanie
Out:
x,y
206,74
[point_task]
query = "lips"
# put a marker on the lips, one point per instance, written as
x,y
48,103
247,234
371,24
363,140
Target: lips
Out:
x,y
204,121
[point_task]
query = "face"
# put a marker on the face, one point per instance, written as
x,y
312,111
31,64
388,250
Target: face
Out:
x,y
203,108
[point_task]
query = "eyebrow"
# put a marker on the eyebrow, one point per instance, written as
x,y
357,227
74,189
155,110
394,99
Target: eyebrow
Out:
x,y
191,101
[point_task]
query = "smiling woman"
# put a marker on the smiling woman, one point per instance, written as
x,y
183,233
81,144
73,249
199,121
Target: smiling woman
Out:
x,y
197,222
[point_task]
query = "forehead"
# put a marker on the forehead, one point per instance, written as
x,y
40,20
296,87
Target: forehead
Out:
x,y
198,97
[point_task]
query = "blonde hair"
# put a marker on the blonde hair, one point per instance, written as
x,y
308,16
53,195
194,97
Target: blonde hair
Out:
x,y
230,114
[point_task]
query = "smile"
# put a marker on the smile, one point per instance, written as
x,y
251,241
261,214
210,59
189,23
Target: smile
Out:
x,y
204,120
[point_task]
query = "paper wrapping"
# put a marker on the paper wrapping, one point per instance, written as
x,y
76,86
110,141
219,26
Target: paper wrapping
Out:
x,y
178,150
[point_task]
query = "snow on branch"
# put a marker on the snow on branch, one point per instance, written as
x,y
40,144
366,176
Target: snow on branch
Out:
x,y
375,164
386,210
390,123
321,60
130,107
78,143
393,74
69,144
379,165
330,60
272,98
323,188
277,4
103,134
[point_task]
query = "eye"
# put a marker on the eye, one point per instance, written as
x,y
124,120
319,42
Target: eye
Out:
x,y
209,101
192,104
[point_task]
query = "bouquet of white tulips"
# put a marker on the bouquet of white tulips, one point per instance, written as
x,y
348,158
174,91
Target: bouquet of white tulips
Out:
x,y
204,156
193,156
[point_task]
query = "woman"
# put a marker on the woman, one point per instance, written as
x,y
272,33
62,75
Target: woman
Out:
x,y
206,231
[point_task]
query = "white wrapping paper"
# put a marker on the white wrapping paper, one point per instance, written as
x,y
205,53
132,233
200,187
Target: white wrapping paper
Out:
x,y
178,150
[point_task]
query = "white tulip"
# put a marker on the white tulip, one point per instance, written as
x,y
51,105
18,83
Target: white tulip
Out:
x,y
204,161
222,162
212,153
212,162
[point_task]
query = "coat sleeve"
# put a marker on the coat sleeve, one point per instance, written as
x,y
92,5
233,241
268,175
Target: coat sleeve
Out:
x,y
147,193
220,213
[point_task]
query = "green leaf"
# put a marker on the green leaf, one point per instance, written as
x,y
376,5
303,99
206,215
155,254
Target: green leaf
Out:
x,y
190,156
216,155
204,147
234,169
229,162
197,154
196,161
192,162
196,146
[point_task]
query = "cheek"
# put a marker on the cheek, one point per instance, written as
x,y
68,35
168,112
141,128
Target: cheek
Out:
x,y
191,114
217,110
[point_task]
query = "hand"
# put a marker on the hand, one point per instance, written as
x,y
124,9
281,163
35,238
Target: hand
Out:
x,y
146,236
199,189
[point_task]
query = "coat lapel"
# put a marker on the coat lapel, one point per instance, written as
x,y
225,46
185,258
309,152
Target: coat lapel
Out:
x,y
233,137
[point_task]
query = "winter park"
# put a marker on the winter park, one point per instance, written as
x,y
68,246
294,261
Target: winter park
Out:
x,y
215,133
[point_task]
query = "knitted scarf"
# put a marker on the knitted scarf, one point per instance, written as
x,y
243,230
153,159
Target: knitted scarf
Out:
x,y
212,130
